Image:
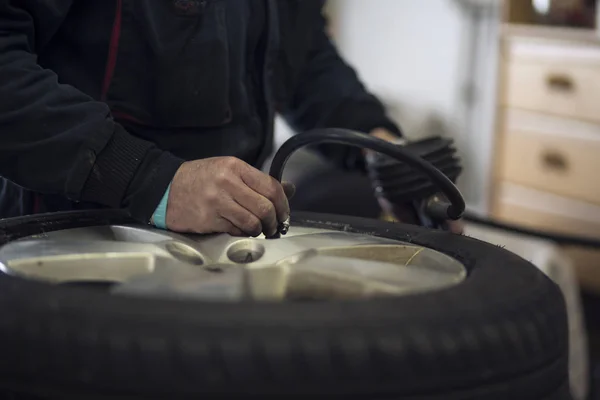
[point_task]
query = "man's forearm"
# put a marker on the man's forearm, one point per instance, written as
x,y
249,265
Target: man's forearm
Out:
x,y
150,184
130,173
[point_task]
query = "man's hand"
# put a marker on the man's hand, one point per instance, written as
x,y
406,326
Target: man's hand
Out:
x,y
384,134
224,194
455,226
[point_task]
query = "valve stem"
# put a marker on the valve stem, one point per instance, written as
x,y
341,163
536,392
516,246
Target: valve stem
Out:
x,y
284,227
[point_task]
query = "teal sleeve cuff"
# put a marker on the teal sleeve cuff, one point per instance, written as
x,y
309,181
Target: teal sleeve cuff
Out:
x,y
159,218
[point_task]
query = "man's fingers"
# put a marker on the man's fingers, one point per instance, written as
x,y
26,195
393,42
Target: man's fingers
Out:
x,y
279,198
261,208
241,218
456,226
269,188
225,226
289,189
384,134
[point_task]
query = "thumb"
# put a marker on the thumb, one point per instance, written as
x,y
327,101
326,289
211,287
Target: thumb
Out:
x,y
289,189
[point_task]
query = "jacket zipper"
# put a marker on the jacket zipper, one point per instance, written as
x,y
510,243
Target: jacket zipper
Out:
x,y
267,75
113,50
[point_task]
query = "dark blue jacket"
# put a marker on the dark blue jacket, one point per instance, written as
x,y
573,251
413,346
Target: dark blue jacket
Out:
x,y
102,100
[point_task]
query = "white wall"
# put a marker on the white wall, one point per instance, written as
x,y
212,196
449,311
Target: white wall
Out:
x,y
405,50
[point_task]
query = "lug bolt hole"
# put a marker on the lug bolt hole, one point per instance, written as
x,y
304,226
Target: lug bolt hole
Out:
x,y
185,253
245,252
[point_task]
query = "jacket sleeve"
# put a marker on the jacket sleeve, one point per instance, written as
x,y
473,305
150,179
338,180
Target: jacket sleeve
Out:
x,y
53,138
329,94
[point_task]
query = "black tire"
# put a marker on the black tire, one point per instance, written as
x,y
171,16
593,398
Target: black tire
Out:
x,y
501,334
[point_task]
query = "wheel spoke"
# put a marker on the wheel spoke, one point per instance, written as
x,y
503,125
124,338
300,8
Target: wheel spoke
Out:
x,y
213,283
346,277
62,261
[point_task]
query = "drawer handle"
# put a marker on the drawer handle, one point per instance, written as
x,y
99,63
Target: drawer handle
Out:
x,y
555,161
562,83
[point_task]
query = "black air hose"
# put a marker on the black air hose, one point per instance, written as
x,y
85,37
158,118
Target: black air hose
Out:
x,y
452,211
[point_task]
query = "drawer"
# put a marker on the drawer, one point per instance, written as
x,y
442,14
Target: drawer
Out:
x,y
531,208
550,213
553,154
555,81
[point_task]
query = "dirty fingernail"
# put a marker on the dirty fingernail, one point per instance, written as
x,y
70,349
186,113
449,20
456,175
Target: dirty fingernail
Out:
x,y
289,189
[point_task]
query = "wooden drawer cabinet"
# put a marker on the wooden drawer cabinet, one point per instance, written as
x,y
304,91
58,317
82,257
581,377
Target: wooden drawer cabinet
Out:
x,y
552,154
548,80
547,168
531,208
